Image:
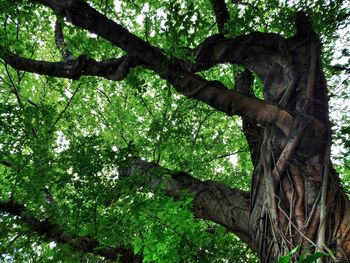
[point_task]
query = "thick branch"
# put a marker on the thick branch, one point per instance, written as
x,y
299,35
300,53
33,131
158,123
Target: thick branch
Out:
x,y
60,43
219,97
113,69
52,231
251,131
213,201
256,51
221,13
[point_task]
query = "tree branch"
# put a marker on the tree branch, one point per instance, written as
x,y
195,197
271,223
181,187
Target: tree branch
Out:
x,y
212,201
60,43
64,110
6,163
341,68
251,131
255,51
52,231
221,14
113,69
188,84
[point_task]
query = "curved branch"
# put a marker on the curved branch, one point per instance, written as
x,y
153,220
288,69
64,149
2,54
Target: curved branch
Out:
x,y
113,69
188,84
52,231
212,201
255,51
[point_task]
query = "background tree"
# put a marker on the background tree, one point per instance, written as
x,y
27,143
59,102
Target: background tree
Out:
x,y
75,136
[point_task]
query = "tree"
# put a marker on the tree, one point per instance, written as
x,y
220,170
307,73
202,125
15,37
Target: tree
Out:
x,y
78,170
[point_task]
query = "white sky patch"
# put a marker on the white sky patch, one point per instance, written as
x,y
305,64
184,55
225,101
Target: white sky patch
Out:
x,y
140,18
234,159
92,35
68,93
75,177
52,245
62,142
219,169
160,13
117,5
114,148
162,17
145,8
110,173
340,44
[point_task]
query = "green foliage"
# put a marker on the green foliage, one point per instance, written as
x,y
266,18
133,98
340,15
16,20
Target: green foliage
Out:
x,y
74,151
303,258
169,233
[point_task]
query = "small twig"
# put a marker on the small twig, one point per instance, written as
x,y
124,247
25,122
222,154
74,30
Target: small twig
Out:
x,y
105,95
200,126
63,111
32,103
13,240
14,88
222,156
146,106
109,126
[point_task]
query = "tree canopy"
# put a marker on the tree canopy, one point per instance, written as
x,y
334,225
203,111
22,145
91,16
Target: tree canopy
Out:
x,y
109,147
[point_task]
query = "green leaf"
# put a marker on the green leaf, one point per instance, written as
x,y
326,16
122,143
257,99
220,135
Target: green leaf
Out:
x,y
313,257
287,258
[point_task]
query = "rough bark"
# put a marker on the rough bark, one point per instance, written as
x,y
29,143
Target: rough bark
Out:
x,y
295,195
213,93
293,174
113,69
60,43
213,200
51,231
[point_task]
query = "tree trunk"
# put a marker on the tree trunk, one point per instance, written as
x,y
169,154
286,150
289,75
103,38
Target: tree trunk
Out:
x,y
296,197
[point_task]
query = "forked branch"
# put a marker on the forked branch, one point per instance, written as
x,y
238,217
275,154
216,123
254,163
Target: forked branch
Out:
x,y
188,84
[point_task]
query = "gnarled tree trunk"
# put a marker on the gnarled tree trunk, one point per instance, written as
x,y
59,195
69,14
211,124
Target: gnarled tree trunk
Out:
x,y
295,197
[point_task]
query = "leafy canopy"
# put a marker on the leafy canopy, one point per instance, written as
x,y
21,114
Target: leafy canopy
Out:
x,y
68,138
